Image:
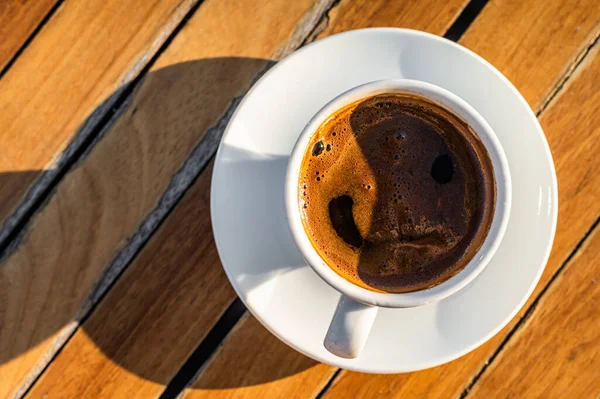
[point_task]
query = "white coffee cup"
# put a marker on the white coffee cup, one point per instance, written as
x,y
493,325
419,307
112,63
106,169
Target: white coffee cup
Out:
x,y
358,306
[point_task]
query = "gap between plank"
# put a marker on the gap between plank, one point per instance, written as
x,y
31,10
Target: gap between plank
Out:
x,y
321,25
205,350
530,310
465,19
570,70
329,383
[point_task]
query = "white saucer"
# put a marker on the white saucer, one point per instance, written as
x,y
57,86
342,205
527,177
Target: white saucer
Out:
x,y
254,241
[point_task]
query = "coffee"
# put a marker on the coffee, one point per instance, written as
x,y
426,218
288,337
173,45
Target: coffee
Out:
x,y
397,193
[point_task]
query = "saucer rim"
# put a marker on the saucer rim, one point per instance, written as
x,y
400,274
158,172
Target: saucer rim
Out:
x,y
553,203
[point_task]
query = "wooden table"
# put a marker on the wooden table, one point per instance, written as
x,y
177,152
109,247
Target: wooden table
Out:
x,y
110,114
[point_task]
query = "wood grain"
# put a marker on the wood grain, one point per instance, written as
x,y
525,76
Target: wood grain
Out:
x,y
534,43
412,14
572,127
63,84
556,353
18,19
64,260
146,327
237,370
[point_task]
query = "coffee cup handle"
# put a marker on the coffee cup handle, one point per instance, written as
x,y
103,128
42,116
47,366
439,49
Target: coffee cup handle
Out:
x,y
349,328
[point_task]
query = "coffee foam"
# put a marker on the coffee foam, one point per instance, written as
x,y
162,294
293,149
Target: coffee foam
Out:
x,y
397,194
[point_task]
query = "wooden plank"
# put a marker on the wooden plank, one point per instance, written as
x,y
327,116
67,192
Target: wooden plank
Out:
x,y
556,353
18,20
572,128
350,15
64,262
62,85
256,34
237,369
86,51
534,43
150,322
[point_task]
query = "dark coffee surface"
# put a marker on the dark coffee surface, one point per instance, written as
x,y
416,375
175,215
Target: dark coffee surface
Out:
x,y
397,194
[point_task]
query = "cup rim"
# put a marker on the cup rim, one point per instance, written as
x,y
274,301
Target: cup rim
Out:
x,y
501,212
